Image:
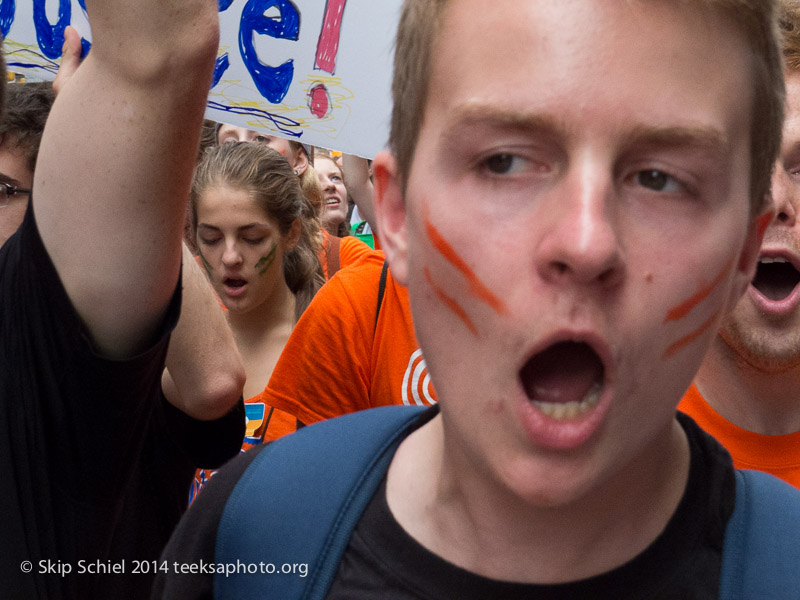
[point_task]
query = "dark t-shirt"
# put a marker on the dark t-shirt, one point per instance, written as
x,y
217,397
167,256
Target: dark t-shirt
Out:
x,y
94,463
383,561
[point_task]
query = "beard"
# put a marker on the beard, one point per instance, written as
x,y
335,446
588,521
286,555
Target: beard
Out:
x,y
765,348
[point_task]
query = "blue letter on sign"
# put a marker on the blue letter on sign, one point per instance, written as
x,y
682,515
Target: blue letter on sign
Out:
x,y
272,82
50,38
7,9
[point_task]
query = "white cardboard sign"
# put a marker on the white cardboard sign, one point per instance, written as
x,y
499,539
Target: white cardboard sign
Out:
x,y
317,71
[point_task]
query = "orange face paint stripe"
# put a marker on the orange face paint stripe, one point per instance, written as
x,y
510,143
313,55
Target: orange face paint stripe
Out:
x,y
686,340
475,285
684,308
451,304
762,224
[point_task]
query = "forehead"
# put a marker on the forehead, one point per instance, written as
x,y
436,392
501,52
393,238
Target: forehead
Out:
x,y
325,165
222,206
607,65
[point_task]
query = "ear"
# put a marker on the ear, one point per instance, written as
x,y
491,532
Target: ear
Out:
x,y
390,214
748,259
300,162
292,237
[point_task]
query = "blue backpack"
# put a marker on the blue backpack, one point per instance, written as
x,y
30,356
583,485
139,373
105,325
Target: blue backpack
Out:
x,y
327,473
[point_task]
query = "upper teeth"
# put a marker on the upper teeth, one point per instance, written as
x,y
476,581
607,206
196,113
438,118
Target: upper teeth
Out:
x,y
777,259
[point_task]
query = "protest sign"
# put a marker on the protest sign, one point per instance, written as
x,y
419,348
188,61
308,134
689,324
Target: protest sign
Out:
x,y
316,71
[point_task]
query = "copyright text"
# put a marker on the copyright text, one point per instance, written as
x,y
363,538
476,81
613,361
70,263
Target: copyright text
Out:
x,y
146,567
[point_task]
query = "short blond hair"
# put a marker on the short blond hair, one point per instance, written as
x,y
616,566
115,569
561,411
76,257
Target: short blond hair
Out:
x,y
421,21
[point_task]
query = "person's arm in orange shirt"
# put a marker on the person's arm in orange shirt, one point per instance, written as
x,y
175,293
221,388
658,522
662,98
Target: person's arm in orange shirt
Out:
x,y
324,370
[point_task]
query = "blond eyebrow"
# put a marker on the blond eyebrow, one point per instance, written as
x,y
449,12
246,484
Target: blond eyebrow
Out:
x,y
470,115
707,139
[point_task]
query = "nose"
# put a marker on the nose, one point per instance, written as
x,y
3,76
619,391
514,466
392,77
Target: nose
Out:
x,y
231,257
785,195
579,242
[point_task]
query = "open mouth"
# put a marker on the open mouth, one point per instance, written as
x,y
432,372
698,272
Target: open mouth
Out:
x,y
331,201
776,278
565,380
234,283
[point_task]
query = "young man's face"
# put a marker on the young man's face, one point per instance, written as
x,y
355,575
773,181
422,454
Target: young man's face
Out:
x,y
764,329
576,219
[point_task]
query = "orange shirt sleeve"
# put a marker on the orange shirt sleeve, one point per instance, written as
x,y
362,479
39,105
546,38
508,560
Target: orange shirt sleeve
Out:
x,y
352,251
324,370
338,360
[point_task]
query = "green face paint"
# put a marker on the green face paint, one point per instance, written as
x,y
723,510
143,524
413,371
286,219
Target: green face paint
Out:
x,y
206,265
265,262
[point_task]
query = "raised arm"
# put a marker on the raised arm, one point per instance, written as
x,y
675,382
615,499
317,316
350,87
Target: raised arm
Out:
x,y
359,186
116,162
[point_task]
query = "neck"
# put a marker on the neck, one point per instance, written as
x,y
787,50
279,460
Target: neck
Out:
x,y
480,526
331,227
758,401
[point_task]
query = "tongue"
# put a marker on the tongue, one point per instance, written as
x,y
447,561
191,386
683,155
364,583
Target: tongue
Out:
x,y
776,280
562,373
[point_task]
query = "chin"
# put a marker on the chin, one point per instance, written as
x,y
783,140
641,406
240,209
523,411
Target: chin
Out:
x,y
551,483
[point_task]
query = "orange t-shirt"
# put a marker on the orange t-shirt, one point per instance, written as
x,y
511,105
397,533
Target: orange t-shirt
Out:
x,y
338,360
351,251
778,455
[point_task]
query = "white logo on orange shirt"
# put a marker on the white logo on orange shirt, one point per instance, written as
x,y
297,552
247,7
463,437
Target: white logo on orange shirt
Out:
x,y
417,382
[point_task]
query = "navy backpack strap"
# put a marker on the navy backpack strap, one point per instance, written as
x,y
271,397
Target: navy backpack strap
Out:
x,y
299,500
761,554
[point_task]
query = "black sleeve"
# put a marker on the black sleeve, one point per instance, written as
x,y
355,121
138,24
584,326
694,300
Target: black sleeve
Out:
x,y
158,492
91,411
207,444
72,422
194,540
